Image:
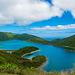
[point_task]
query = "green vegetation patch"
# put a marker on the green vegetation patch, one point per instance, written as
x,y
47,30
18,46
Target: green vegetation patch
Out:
x,y
70,50
67,42
4,36
9,66
16,61
24,50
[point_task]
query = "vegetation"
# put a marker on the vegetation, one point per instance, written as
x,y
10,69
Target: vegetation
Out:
x,y
24,50
55,41
26,37
10,35
67,42
70,50
9,66
32,72
11,60
3,37
15,64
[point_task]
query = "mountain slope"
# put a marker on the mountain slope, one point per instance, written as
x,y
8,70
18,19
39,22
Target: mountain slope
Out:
x,y
27,37
68,42
3,36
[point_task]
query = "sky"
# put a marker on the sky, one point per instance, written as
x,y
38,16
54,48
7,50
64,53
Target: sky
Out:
x,y
43,18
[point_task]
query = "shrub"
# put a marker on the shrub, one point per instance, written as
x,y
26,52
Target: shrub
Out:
x,y
9,66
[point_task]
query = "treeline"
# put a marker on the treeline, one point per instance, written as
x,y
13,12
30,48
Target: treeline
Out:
x,y
22,63
3,36
26,37
37,61
68,42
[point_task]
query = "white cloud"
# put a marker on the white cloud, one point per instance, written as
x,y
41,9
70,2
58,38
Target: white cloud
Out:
x,y
25,12
66,5
55,27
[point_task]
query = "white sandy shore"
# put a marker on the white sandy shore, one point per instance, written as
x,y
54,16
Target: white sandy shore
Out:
x,y
69,47
30,53
40,67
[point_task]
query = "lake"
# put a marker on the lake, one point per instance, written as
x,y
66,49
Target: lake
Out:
x,y
58,58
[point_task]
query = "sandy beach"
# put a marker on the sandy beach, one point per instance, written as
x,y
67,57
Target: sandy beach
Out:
x,y
40,67
30,53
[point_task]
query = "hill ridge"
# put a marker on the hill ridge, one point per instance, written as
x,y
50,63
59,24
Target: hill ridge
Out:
x,y
68,42
4,36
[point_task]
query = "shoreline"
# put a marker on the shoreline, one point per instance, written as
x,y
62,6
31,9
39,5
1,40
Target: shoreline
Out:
x,y
70,50
7,50
69,47
40,67
43,64
30,53
63,46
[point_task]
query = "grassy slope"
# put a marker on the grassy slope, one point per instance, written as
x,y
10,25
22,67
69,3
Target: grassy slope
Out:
x,y
3,36
36,72
27,37
7,74
30,38
68,42
10,62
10,35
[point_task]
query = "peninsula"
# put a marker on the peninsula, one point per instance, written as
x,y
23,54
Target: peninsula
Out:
x,y
16,58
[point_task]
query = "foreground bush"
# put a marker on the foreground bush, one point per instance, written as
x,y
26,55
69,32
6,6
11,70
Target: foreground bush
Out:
x,y
9,66
32,72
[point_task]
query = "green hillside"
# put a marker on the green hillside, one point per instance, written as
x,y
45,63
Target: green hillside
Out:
x,y
27,37
10,35
3,36
67,42
15,59
33,72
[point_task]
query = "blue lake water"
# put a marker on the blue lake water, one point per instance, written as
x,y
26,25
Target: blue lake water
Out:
x,y
58,58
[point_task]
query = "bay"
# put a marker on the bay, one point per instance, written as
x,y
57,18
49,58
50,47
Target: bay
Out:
x,y
58,58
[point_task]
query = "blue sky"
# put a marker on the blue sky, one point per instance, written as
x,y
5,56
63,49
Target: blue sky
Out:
x,y
66,19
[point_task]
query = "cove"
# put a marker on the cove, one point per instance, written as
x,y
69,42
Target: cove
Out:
x,y
58,58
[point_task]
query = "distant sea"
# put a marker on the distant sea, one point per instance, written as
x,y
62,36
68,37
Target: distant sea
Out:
x,y
51,38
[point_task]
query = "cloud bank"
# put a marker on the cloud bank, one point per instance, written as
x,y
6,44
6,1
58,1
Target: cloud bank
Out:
x,y
24,12
59,27
65,5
